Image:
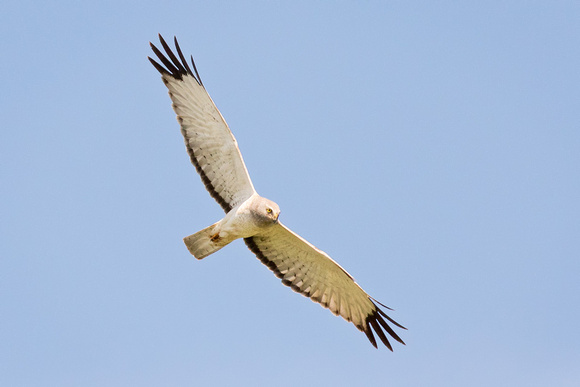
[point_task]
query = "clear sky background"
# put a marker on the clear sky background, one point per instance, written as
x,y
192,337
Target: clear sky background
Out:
x,y
431,148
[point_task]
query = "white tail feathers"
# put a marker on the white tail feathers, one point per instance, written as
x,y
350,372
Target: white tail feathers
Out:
x,y
200,244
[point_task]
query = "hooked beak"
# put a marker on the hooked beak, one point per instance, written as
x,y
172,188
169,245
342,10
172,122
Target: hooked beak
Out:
x,y
277,216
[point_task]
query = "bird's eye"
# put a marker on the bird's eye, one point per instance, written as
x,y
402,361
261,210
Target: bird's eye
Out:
x,y
269,210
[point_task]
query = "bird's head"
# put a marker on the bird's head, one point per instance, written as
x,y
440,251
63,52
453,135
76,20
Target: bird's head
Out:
x,y
269,211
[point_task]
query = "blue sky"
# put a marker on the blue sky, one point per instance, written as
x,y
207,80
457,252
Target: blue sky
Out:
x,y
431,148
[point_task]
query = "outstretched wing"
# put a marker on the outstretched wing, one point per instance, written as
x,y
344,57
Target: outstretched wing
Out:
x,y
309,271
211,145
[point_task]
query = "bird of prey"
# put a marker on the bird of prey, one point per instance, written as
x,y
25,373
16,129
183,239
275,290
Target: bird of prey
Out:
x,y
215,154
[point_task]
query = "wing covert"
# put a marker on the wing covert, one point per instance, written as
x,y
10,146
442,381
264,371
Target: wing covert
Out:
x,y
211,146
312,273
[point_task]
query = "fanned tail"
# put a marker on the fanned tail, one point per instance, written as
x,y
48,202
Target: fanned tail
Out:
x,y
201,244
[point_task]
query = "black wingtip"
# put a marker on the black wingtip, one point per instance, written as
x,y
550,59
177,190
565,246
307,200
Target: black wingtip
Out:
x,y
380,303
175,66
196,73
157,66
375,302
371,337
376,322
381,334
182,57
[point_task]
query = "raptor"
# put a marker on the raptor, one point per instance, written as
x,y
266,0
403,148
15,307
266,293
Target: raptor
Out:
x,y
214,152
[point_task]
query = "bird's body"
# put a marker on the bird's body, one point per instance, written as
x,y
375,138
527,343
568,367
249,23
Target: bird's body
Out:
x,y
214,152
254,216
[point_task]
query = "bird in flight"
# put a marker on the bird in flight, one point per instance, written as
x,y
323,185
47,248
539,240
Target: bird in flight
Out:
x,y
214,152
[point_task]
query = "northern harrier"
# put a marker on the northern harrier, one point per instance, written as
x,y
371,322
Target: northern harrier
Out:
x,y
214,153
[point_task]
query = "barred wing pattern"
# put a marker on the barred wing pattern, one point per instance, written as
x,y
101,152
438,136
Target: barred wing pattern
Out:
x,y
212,148
311,272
